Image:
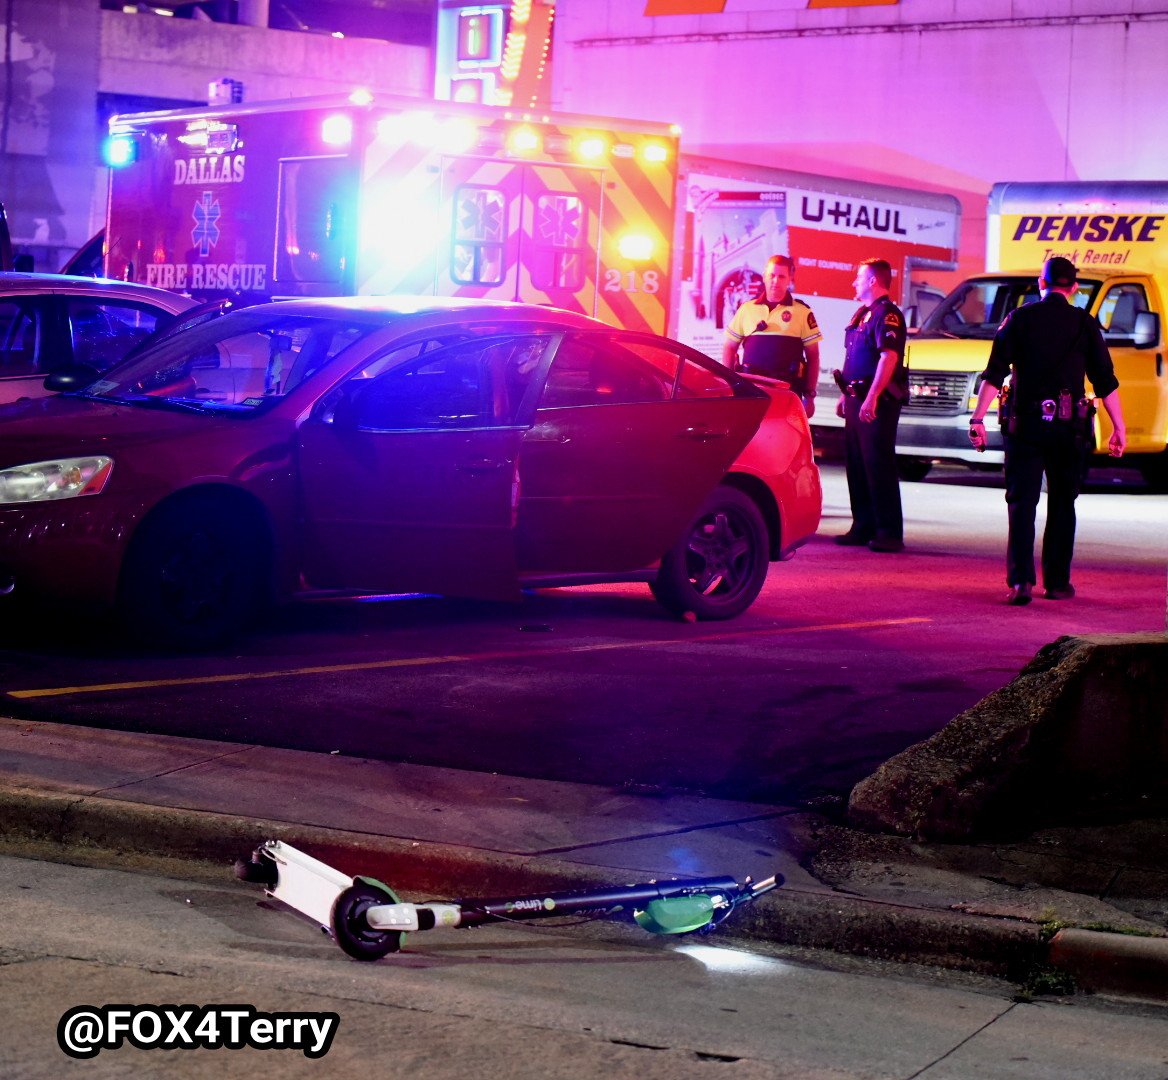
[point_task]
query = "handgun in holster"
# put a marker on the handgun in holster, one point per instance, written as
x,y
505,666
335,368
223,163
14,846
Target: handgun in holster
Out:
x,y
1006,409
850,387
1085,417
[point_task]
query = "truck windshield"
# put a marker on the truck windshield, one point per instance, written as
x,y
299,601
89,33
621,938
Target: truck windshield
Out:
x,y
976,308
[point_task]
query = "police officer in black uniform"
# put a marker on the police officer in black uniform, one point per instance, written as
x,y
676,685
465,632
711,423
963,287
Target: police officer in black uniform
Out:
x,y
874,384
1051,347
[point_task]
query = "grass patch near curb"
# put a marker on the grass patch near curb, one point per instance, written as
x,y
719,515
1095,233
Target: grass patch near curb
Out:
x,y
1045,979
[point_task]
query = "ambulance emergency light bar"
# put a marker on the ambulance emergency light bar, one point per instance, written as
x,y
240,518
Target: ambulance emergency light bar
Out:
x,y
458,135
522,134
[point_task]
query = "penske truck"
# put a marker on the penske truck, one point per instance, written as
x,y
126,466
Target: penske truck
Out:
x,y
378,194
1116,234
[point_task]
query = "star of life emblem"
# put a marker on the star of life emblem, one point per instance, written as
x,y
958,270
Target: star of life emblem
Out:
x,y
206,214
560,220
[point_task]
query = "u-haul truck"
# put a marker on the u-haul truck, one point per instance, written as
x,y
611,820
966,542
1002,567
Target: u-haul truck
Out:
x,y
319,197
733,217
1116,234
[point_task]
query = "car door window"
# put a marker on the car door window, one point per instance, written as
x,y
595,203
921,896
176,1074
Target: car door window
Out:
x,y
601,369
474,383
22,326
694,375
103,331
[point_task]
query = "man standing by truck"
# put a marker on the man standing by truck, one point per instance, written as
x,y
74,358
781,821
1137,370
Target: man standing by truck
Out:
x,y
875,385
778,334
1047,424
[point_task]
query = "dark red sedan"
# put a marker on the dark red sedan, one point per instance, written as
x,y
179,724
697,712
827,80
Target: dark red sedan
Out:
x,y
457,447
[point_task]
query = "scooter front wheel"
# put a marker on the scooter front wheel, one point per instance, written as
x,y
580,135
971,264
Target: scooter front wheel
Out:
x,y
351,928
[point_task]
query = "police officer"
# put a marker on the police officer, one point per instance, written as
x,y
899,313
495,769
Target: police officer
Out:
x,y
1051,346
778,334
875,386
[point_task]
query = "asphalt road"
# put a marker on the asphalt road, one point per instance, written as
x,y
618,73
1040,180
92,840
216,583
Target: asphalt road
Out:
x,y
847,657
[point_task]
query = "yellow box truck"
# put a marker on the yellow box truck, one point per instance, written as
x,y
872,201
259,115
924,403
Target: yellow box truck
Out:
x,y
1116,234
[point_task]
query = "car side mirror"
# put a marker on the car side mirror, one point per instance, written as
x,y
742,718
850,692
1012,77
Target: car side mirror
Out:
x,y
334,409
1146,332
73,377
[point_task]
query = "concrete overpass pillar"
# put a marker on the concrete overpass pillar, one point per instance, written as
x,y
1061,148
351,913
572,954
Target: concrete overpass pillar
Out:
x,y
253,13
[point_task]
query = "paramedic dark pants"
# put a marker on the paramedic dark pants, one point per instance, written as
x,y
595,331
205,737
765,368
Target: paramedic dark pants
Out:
x,y
873,482
1053,449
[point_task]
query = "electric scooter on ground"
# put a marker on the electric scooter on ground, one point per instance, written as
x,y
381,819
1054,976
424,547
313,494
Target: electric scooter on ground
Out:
x,y
368,920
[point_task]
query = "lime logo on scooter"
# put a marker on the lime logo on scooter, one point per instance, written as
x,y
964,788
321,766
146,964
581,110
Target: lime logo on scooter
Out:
x,y
547,904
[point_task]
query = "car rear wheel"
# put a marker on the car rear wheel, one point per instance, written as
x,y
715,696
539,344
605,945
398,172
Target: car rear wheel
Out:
x,y
718,567
192,576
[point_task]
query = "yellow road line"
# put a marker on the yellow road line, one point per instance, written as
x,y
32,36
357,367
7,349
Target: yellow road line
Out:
x,y
423,661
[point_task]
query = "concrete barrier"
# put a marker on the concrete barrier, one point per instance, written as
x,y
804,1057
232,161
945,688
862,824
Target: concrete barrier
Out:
x,y
1086,721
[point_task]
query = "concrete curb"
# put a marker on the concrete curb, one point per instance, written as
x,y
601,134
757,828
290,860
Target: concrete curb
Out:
x,y
80,826
1113,963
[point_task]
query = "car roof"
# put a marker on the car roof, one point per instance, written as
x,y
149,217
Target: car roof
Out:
x,y
12,283
442,309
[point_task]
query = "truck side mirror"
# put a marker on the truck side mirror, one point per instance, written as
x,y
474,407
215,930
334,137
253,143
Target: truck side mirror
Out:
x,y
1146,332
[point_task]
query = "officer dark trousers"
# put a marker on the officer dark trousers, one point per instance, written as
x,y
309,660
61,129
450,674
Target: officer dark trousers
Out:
x,y
873,482
1052,449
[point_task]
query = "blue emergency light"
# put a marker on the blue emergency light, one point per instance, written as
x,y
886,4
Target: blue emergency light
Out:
x,y
120,151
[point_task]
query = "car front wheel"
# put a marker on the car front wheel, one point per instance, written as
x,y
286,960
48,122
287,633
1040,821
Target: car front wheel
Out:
x,y
192,576
719,565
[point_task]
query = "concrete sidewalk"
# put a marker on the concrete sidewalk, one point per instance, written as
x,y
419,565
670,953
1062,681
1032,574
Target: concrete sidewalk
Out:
x,y
434,833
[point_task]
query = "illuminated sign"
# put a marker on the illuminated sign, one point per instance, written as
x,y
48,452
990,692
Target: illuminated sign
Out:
x,y
685,7
479,32
494,55
719,7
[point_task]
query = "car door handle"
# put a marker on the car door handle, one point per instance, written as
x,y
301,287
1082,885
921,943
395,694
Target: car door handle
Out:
x,y
702,433
482,465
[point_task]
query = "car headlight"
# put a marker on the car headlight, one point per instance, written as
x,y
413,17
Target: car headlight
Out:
x,y
61,479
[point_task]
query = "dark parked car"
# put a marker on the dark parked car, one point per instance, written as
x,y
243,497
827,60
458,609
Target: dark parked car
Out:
x,y
457,447
51,322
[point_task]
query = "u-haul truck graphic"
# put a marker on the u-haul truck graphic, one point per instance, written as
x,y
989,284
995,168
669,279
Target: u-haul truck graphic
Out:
x,y
735,216
322,197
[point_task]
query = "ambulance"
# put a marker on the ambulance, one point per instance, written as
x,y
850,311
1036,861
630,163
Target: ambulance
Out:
x,y
394,195
1116,234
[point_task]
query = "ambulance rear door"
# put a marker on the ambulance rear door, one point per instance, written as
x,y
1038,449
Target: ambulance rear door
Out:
x,y
520,231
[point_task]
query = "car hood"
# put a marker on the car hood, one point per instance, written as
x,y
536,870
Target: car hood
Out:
x,y
47,428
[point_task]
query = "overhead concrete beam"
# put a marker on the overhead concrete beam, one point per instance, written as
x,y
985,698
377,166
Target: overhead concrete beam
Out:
x,y
178,58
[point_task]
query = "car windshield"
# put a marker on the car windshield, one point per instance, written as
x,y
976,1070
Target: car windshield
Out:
x,y
236,364
976,308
